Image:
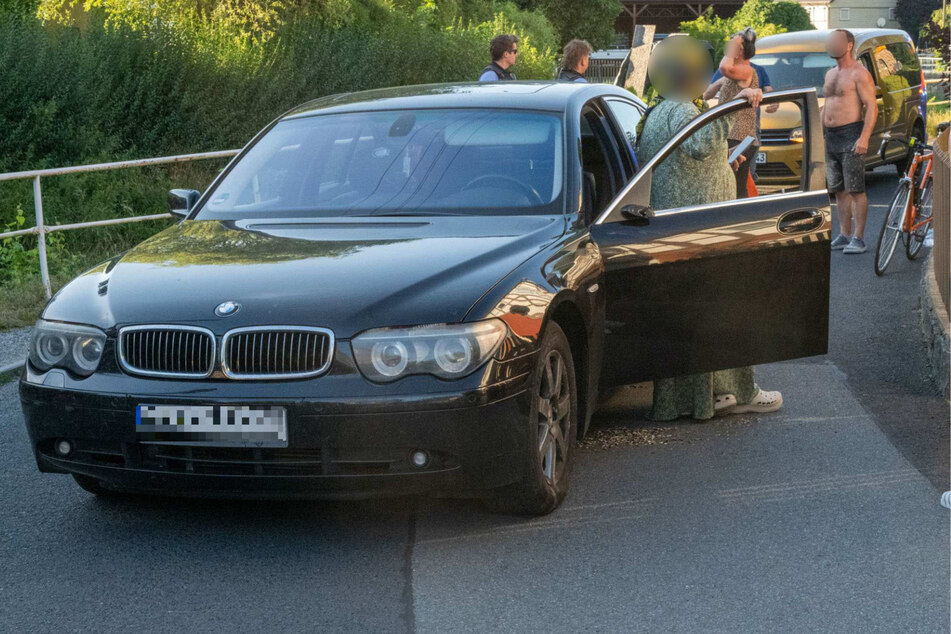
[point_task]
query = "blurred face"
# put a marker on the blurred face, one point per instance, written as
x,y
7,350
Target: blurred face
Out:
x,y
680,68
511,55
734,48
837,45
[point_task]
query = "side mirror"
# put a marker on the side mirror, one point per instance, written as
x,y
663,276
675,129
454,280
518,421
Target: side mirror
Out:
x,y
182,201
637,215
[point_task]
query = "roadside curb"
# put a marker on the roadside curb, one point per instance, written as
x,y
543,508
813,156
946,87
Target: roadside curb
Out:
x,y
936,329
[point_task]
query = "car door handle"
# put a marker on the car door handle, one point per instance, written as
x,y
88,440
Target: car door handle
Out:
x,y
800,221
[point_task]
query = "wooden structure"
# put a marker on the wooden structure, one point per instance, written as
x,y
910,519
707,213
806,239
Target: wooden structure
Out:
x,y
941,201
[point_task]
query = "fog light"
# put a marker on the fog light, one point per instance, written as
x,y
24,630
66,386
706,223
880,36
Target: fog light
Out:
x,y
420,459
63,447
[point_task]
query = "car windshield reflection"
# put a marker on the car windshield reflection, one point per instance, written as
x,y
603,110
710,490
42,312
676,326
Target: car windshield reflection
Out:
x,y
398,163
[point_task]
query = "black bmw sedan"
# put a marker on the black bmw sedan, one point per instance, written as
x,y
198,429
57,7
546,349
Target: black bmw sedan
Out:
x,y
417,290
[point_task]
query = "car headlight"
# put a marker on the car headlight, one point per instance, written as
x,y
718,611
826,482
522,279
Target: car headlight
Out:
x,y
795,135
449,351
71,346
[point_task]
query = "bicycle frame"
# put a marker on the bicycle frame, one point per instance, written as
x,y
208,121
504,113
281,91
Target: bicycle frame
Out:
x,y
919,161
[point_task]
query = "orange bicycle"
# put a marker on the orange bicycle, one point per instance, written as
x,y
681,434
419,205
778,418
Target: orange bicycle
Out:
x,y
909,216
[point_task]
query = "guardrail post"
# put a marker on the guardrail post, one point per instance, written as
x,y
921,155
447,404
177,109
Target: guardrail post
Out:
x,y
41,236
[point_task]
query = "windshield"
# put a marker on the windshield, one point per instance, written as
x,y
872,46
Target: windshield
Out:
x,y
401,162
795,70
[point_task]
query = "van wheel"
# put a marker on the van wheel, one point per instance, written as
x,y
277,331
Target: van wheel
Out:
x,y
551,432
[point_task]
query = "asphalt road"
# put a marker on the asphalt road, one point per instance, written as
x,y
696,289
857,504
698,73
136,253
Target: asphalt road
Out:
x,y
823,517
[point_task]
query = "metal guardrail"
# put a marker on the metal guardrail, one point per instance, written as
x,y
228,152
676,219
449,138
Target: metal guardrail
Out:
x,y
11,367
41,228
929,62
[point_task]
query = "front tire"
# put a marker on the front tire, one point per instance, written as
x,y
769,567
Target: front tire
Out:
x,y
891,228
550,432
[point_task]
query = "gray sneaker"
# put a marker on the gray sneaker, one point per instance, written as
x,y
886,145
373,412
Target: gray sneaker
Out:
x,y
857,245
840,242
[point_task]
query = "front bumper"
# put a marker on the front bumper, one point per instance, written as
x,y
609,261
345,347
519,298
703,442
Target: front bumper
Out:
x,y
337,447
783,164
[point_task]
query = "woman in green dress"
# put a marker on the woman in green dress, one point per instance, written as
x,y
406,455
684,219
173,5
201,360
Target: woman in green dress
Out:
x,y
697,172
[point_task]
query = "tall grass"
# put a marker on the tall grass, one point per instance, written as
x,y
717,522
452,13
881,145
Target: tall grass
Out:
x,y
936,115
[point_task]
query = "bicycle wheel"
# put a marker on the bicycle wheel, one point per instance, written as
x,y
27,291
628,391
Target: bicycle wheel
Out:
x,y
891,228
917,237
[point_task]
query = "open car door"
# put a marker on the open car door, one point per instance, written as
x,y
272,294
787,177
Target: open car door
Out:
x,y
717,285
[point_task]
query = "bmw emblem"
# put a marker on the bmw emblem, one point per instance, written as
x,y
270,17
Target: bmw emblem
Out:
x,y
226,309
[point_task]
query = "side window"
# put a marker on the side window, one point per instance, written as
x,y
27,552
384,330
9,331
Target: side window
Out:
x,y
626,115
907,62
890,68
893,84
602,177
768,151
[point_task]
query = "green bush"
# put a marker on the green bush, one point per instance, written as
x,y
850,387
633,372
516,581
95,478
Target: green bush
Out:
x,y
789,16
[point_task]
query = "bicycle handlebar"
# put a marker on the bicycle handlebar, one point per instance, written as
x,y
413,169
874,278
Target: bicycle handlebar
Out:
x,y
913,143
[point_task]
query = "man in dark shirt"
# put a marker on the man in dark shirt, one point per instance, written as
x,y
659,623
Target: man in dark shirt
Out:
x,y
574,61
504,51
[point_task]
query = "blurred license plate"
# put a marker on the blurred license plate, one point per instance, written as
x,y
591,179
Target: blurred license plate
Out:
x,y
222,425
760,157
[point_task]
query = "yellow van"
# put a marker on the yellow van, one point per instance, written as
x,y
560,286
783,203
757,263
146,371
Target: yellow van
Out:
x,y
795,60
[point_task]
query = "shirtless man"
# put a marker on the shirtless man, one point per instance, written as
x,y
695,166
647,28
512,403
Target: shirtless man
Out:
x,y
848,87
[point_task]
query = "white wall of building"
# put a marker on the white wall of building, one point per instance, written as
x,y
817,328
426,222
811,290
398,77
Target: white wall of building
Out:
x,y
856,14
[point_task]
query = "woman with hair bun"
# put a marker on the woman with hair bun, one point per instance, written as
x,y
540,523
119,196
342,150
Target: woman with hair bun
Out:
x,y
739,74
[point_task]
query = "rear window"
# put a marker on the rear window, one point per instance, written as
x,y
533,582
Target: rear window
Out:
x,y
400,162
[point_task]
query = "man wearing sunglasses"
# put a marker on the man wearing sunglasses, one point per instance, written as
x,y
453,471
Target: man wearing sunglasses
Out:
x,y
504,50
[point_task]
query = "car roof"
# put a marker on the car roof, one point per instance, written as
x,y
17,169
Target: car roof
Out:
x,y
814,41
520,95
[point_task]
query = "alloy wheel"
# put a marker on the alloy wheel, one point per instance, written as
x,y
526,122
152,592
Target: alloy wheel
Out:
x,y
554,417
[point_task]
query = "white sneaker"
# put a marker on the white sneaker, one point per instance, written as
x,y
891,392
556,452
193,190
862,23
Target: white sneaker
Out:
x,y
762,403
857,245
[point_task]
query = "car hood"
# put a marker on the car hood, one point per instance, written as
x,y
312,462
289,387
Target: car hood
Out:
x,y
345,274
785,118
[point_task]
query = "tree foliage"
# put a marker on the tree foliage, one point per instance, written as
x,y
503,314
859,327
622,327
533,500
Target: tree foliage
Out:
x,y
791,16
913,15
591,20
766,17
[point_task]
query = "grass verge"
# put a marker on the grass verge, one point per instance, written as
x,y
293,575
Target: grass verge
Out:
x,y
7,377
936,115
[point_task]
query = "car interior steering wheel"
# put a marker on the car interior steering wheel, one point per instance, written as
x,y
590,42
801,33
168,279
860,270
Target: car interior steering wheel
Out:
x,y
525,188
